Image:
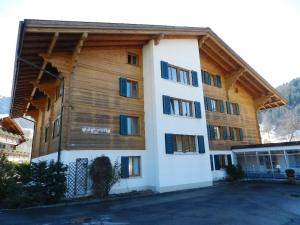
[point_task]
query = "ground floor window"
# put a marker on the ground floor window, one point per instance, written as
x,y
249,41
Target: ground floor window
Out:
x,y
130,166
222,161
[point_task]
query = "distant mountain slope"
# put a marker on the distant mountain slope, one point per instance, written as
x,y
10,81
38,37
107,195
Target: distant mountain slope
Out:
x,y
4,104
284,122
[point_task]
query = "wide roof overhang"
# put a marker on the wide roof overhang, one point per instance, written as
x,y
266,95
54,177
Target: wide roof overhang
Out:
x,y
42,37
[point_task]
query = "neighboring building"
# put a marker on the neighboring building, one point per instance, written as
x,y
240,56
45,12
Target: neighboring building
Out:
x,y
167,102
11,136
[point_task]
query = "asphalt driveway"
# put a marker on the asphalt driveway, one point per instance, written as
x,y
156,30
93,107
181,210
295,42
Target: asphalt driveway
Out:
x,y
235,203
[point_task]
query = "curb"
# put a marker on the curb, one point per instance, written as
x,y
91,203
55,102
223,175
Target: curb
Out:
x,y
84,202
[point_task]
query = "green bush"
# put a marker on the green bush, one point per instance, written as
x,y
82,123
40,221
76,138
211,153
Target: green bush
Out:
x,y
25,185
104,175
235,172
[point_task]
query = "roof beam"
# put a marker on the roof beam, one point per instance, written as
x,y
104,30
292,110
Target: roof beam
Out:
x,y
255,84
212,49
248,88
158,38
213,58
202,41
232,78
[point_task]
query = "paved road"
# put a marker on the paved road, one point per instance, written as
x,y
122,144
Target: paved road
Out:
x,y
235,203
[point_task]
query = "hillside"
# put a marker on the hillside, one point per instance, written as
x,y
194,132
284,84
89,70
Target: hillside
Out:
x,y
283,123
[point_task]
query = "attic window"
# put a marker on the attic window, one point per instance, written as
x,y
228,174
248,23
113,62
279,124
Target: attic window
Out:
x,y
132,59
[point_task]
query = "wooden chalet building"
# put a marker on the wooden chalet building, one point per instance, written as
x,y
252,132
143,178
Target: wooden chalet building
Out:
x,y
167,102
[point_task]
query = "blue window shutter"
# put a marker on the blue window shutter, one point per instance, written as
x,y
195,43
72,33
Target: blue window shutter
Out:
x,y
209,104
229,160
241,134
225,133
166,104
203,76
218,78
231,133
123,125
197,109
164,70
222,109
123,87
208,78
124,167
201,145
217,163
211,163
237,109
208,132
169,143
205,103
194,78
228,107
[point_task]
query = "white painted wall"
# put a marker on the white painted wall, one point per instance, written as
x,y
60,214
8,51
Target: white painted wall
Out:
x,y
177,171
125,185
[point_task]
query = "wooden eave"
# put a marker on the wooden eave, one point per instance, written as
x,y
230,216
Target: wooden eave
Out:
x,y
38,40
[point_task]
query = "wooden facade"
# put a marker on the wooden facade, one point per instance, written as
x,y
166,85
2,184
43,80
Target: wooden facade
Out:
x,y
247,118
88,60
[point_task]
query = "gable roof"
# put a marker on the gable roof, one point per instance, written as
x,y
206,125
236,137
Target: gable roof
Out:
x,y
37,36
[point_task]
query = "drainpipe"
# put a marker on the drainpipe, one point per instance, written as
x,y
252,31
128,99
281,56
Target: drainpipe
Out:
x,y
61,120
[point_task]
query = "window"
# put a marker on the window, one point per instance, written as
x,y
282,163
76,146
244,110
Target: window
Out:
x,y
132,59
187,109
220,162
210,79
172,73
128,88
217,133
130,166
132,125
184,77
131,88
181,107
233,108
56,128
46,134
174,106
2,146
184,143
213,105
178,74
134,166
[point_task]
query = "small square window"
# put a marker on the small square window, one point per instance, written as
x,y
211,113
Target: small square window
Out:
x,y
132,59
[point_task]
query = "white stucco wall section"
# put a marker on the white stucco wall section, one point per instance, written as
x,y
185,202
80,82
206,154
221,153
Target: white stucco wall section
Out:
x,y
177,171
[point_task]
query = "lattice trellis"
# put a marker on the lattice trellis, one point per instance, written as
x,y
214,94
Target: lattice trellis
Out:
x,y
78,179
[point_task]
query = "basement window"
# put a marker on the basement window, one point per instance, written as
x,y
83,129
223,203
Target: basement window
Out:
x,y
132,59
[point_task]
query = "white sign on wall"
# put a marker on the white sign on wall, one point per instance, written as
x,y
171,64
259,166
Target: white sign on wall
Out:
x,y
95,130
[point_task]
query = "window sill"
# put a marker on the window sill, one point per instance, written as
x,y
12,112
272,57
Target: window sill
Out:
x,y
178,116
176,82
132,178
186,153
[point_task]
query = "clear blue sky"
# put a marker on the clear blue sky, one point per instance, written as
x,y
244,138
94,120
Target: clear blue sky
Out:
x,y
264,33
